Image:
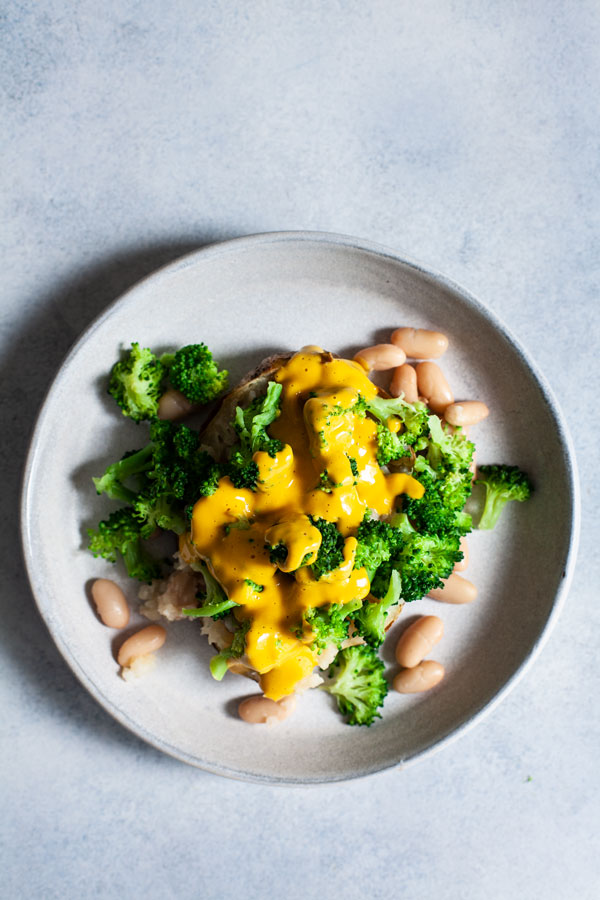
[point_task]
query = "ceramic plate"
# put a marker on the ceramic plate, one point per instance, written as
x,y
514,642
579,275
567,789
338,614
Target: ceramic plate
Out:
x,y
246,299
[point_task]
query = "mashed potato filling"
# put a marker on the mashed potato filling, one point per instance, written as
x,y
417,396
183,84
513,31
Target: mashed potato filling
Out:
x,y
326,469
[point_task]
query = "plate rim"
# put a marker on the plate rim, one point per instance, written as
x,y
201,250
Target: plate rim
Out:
x,y
244,243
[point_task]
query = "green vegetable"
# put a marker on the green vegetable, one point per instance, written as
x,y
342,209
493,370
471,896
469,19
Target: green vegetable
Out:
x,y
421,560
371,618
194,372
376,542
215,602
257,588
136,383
218,664
358,684
120,535
502,484
331,551
329,624
251,426
133,463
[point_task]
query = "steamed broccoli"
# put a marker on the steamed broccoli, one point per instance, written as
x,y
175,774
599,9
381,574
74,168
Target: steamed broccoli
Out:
x,y
358,684
376,542
169,475
136,383
414,417
328,624
194,372
446,451
251,425
502,483
390,445
121,534
422,561
439,510
370,619
218,664
331,551
131,464
214,600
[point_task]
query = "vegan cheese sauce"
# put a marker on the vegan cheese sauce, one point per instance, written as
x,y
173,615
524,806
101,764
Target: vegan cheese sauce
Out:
x,y
327,469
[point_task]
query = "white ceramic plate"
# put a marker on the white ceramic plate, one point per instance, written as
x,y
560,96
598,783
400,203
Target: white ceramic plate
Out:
x,y
247,298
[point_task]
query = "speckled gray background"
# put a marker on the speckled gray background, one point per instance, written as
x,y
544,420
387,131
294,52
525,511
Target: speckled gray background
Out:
x,y
465,134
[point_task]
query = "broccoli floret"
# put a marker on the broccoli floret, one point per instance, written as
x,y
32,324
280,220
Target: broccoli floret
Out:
x,y
376,542
136,383
278,553
171,474
439,510
132,464
370,619
502,483
353,465
243,473
414,417
422,561
447,452
218,664
358,684
328,624
331,551
390,445
251,423
121,534
159,511
251,427
213,601
194,372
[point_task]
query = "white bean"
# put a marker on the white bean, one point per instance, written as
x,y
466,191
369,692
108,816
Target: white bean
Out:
x,y
260,710
433,386
418,639
456,590
173,405
467,412
110,602
404,381
420,343
422,678
141,643
380,357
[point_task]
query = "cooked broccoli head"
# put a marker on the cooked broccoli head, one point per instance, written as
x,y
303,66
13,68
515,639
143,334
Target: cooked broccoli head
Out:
x,y
371,618
136,383
331,551
502,483
121,534
194,372
357,681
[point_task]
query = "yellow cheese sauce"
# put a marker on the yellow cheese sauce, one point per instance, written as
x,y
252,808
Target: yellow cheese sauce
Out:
x,y
234,529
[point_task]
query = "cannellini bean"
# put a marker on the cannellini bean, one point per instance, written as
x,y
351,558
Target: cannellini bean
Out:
x,y
456,590
422,678
110,602
420,343
404,381
381,357
433,386
418,639
467,412
141,643
462,565
259,710
173,405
